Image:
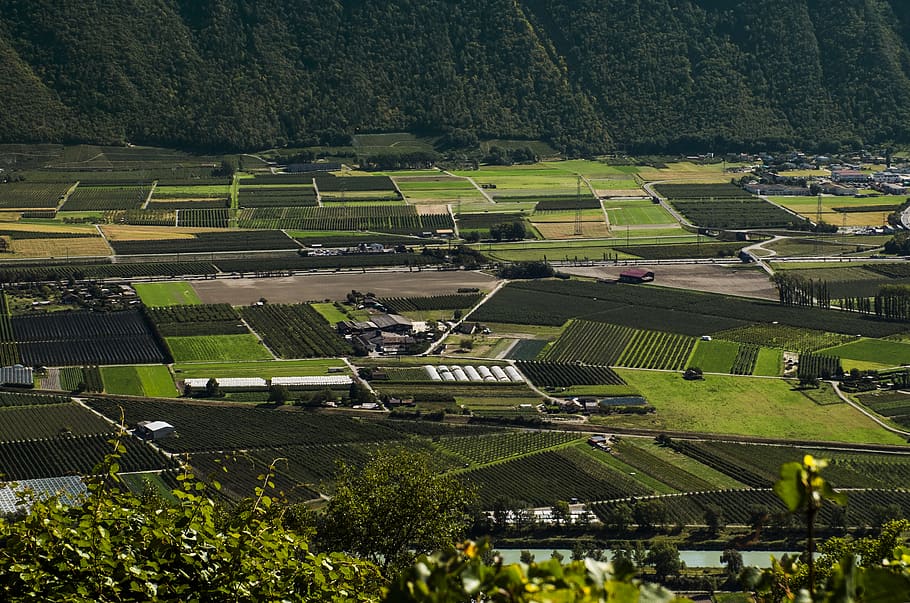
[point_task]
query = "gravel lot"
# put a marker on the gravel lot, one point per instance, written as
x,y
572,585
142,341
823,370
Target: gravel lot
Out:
x,y
316,287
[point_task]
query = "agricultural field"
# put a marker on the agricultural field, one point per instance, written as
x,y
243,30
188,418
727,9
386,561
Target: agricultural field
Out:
x,y
894,405
656,350
552,302
54,457
385,218
739,505
556,374
103,198
455,301
589,343
80,338
47,421
152,381
744,406
493,447
438,189
813,365
526,349
545,477
702,191
199,319
785,337
295,331
173,293
715,356
768,363
330,312
228,240
589,229
22,195
735,213
275,196
886,353
203,218
76,378
217,348
855,216
516,181
626,213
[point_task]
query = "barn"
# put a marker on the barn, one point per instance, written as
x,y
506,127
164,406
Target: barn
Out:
x,y
636,275
153,430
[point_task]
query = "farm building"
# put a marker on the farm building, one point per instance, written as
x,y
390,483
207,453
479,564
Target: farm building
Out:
x,y
636,275
316,381
389,323
153,430
231,383
17,376
850,176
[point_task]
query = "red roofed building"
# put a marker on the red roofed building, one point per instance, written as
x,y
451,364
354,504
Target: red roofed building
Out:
x,y
636,275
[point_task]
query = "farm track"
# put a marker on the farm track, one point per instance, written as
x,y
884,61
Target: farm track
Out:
x,y
869,414
474,184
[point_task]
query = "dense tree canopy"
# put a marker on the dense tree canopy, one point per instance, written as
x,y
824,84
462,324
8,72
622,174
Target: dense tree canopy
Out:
x,y
585,75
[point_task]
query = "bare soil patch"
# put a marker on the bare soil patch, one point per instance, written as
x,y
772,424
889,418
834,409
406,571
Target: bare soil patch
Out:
x,y
729,280
317,287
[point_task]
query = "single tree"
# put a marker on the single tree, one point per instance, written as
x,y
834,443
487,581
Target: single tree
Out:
x,y
395,508
665,559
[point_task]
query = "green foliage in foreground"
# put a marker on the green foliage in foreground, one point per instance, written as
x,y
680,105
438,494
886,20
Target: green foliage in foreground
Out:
x,y
120,547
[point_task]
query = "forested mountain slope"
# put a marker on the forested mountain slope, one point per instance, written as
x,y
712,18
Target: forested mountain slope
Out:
x,y
584,74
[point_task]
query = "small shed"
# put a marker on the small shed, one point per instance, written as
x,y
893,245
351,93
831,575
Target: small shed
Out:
x,y
636,275
153,430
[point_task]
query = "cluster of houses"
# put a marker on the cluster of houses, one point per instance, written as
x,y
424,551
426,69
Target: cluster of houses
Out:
x,y
382,333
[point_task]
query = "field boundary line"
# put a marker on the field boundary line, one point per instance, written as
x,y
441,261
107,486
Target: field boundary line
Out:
x,y
477,186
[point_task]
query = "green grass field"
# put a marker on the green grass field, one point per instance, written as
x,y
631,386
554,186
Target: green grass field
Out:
x,y
714,356
330,312
217,347
744,406
622,213
879,351
176,293
768,363
143,380
263,369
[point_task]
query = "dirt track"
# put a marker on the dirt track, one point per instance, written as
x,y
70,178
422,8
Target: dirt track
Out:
x,y
730,280
313,287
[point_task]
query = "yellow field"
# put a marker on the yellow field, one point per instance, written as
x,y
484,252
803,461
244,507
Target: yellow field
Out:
x,y
149,233
807,206
26,227
688,172
587,215
44,248
636,192
566,230
425,210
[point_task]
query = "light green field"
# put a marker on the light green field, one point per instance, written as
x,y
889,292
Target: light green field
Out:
x,y
879,351
622,213
745,406
153,381
590,169
522,178
217,347
435,185
714,356
193,190
176,293
682,461
265,369
768,363
614,184
330,312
